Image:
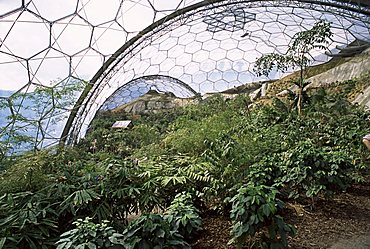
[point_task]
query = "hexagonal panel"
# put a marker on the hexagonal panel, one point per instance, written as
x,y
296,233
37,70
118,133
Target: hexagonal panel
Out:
x,y
203,36
58,10
71,36
158,57
107,38
183,59
167,64
128,13
228,44
221,85
217,54
34,29
168,43
235,54
206,87
193,47
148,52
215,75
85,62
14,74
42,67
245,77
210,45
224,65
186,38
176,71
201,56
181,31
153,69
92,11
176,51
239,66
207,66
142,66
230,76
199,77
192,68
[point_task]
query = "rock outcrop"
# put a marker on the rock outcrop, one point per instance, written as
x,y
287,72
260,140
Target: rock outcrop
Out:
x,y
154,101
354,67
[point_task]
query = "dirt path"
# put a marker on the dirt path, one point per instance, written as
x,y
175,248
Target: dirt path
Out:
x,y
345,218
356,242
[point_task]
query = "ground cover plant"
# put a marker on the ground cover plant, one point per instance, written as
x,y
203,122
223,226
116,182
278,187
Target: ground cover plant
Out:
x,y
174,167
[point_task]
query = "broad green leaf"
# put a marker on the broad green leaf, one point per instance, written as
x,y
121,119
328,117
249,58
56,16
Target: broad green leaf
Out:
x,y
2,242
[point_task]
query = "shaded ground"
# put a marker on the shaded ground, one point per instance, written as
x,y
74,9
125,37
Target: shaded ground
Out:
x,y
340,223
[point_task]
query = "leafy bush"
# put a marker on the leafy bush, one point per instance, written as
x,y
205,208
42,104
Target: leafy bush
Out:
x,y
152,231
165,176
90,235
187,135
27,220
183,215
310,169
27,173
255,208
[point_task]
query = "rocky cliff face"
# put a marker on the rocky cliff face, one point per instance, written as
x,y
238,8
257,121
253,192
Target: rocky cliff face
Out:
x,y
351,68
354,67
154,102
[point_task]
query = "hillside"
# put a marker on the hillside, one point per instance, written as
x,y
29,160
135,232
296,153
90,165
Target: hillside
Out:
x,y
335,74
152,102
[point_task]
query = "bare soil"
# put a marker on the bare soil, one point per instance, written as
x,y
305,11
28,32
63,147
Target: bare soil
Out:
x,y
337,223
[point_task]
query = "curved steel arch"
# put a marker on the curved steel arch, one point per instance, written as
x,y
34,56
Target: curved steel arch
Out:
x,y
358,10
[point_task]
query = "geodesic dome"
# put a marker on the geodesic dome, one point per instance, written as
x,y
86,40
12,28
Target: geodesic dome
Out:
x,y
102,46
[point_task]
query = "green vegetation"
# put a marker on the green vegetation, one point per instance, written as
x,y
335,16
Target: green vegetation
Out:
x,y
90,235
30,112
256,207
174,167
297,56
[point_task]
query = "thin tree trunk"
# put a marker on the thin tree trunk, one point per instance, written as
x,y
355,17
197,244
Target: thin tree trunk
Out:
x,y
300,93
300,100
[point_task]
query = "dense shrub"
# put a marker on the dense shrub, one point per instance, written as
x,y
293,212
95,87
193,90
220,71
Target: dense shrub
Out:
x,y
255,208
27,220
27,173
90,235
152,231
183,215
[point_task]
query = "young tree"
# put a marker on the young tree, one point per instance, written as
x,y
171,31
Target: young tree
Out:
x,y
297,55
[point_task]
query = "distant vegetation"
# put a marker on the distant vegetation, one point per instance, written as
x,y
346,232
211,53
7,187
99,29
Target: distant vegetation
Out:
x,y
219,155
